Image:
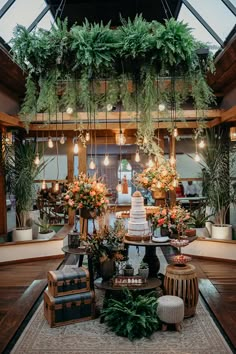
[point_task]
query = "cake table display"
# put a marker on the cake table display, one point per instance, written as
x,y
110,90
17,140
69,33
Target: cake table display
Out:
x,y
138,229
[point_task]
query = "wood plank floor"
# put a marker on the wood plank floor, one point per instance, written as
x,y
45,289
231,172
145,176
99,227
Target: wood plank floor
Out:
x,y
21,284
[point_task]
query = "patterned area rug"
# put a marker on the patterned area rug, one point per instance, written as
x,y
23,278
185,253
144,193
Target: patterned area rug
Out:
x,y
199,335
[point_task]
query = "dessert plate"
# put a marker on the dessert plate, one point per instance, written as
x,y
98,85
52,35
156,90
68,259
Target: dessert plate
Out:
x,y
160,239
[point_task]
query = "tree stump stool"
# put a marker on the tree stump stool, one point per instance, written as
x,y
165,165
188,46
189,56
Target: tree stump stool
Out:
x,y
170,310
182,281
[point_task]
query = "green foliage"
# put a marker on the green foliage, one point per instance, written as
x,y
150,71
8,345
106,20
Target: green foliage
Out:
x,y
43,223
143,265
20,172
199,217
29,107
133,316
217,185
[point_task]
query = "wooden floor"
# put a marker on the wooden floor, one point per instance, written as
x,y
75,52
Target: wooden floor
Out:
x,y
21,285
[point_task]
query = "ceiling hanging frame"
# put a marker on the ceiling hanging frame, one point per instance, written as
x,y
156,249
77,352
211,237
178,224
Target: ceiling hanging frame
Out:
x,y
38,18
6,7
203,22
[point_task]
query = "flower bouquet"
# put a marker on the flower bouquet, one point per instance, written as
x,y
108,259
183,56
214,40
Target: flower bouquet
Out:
x,y
161,176
87,192
174,220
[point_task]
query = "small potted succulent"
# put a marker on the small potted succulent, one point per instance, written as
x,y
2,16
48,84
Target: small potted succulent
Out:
x,y
128,270
143,270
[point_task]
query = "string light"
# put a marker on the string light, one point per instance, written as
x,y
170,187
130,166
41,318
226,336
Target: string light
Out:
x,y
137,156
56,188
106,160
202,144
197,157
37,160
50,142
76,147
44,184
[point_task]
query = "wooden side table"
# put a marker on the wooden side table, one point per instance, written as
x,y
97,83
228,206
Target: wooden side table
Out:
x,y
182,281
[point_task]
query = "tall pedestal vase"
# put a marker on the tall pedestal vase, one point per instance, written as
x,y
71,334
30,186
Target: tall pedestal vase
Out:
x,y
159,196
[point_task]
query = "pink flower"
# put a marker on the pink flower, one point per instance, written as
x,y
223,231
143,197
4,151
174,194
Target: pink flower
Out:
x,y
71,203
67,197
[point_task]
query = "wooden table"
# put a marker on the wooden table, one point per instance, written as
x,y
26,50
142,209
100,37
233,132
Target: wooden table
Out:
x,y
80,252
150,256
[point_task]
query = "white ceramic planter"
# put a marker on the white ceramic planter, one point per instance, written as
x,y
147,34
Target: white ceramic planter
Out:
x,y
221,232
202,232
208,225
46,236
22,234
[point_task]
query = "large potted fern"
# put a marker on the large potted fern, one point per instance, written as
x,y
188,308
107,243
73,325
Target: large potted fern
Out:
x,y
21,171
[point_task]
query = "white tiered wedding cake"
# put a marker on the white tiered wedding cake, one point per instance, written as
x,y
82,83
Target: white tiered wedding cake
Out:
x,y
138,225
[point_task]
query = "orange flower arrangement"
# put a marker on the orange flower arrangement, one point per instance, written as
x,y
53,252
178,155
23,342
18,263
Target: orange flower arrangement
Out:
x,y
161,176
87,192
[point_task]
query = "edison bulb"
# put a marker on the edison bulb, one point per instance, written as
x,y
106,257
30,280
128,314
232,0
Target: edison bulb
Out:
x,y
76,148
202,144
44,184
62,139
197,157
161,107
137,157
69,110
92,165
56,188
109,107
119,187
175,132
87,136
106,160
50,142
37,160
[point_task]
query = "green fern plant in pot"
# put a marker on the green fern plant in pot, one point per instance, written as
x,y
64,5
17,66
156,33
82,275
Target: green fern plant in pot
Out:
x,y
143,270
133,316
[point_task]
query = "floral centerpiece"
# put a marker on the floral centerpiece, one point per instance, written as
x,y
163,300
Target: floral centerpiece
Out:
x,y
87,192
173,219
107,243
161,176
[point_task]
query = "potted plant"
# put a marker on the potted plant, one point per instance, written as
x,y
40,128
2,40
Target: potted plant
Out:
x,y
45,228
128,270
143,270
133,316
20,172
199,219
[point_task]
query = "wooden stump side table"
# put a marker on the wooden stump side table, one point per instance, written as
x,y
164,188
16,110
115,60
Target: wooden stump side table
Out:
x,y
182,281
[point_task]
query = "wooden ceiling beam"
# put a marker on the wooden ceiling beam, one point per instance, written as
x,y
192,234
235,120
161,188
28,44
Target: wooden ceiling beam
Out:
x,y
7,120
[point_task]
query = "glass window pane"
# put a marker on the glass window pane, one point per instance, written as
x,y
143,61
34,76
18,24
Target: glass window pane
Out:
x,y
216,14
22,12
46,21
2,3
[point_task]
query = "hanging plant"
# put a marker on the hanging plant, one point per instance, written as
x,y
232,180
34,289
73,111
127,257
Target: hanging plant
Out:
x,y
28,109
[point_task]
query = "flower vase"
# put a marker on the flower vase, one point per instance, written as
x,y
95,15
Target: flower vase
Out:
x,y
107,269
86,213
159,195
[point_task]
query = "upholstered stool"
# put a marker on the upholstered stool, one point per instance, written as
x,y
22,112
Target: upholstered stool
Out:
x,y
170,309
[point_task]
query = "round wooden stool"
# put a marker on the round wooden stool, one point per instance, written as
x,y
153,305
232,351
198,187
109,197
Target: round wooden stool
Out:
x,y
182,281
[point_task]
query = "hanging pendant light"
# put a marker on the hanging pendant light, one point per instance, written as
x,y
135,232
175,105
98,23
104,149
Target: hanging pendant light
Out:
x,y
37,160
119,187
106,160
161,107
44,184
50,142
137,156
92,165
87,136
69,110
175,132
202,144
56,188
197,157
76,146
120,138
62,139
